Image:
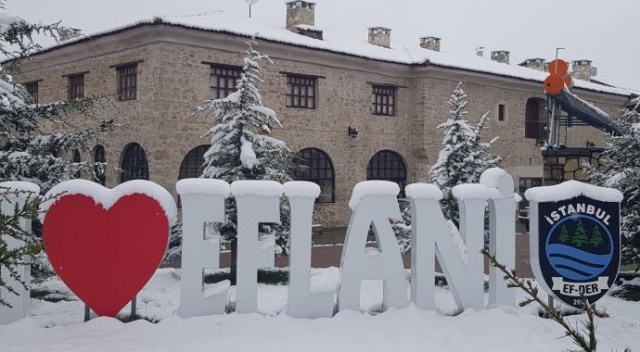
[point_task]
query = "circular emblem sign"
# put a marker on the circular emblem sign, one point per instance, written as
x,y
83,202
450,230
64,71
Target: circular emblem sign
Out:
x,y
578,244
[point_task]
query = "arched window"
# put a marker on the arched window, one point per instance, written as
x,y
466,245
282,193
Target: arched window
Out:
x,y
535,121
388,165
134,163
314,165
99,156
191,165
76,160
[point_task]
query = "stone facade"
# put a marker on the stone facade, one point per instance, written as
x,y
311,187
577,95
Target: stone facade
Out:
x,y
174,66
569,164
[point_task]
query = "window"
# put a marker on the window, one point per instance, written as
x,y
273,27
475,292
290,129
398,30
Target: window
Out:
x,y
75,87
315,166
99,156
134,163
384,100
127,82
223,80
535,122
524,183
76,160
32,89
301,92
388,165
191,166
502,112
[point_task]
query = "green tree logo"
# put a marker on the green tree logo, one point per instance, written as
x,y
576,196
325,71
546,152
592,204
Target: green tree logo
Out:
x,y
596,237
563,236
580,238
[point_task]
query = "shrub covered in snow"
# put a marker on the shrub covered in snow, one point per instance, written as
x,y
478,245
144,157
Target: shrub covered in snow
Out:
x,y
622,171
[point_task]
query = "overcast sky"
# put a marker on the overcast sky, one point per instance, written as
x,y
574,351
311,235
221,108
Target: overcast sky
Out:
x,y
602,31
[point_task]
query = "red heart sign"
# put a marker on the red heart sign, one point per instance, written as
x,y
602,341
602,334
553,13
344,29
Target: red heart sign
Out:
x,y
105,256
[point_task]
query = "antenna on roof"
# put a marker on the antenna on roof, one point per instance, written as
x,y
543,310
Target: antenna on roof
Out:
x,y
250,3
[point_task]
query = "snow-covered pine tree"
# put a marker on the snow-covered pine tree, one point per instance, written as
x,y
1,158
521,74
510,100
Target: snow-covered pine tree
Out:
x,y
31,134
241,148
621,170
464,157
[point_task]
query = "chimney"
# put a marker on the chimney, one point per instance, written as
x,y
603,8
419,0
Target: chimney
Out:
x,y
380,36
430,43
67,33
582,69
300,12
501,56
535,63
480,51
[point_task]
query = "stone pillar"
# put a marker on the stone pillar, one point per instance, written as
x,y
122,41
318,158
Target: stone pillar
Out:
x,y
380,36
582,69
536,64
501,56
569,164
430,43
300,13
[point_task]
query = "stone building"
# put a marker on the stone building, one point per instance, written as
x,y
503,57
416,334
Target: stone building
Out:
x,y
356,108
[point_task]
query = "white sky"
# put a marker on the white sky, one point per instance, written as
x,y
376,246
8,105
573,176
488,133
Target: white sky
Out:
x,y
602,31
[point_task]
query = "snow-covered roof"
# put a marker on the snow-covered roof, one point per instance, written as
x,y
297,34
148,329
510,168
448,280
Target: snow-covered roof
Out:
x,y
338,42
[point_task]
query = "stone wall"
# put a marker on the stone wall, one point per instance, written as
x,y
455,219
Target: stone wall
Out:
x,y
173,78
569,164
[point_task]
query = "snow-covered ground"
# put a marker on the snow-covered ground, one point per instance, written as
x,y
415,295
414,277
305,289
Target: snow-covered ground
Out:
x,y
59,327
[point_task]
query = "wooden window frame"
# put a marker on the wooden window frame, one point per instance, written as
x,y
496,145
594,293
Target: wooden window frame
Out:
x,y
223,80
388,165
316,166
191,165
33,88
100,156
301,91
75,86
502,112
533,127
384,100
127,80
134,166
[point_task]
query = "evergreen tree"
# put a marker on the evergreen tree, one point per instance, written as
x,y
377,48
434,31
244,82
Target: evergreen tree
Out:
x,y
579,238
621,170
241,148
564,234
596,237
463,157
32,135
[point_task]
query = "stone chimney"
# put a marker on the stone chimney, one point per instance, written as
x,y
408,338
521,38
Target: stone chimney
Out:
x,y
480,51
300,12
430,43
67,33
582,69
380,36
501,56
535,63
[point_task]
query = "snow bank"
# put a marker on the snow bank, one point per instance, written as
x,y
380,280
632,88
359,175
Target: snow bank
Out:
x,y
203,186
372,188
260,188
572,189
303,189
423,191
408,330
107,197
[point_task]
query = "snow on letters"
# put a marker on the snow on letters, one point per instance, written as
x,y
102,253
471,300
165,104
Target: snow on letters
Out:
x,y
373,204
